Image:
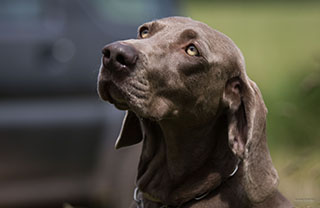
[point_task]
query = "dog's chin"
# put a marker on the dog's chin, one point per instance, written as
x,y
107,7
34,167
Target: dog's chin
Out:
x,y
121,106
118,103
110,93
157,110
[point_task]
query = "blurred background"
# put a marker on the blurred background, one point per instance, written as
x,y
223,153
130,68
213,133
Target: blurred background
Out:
x,y
57,137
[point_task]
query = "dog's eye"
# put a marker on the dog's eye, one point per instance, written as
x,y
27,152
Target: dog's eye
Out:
x,y
144,32
192,50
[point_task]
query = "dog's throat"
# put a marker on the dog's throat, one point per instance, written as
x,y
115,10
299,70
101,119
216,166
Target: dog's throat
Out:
x,y
177,169
140,198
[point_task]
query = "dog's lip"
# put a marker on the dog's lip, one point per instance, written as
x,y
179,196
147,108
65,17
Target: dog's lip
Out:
x,y
116,73
121,106
113,95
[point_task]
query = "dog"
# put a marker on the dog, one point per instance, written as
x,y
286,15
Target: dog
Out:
x,y
201,119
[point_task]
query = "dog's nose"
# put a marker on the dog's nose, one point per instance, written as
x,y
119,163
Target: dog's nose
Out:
x,y
119,56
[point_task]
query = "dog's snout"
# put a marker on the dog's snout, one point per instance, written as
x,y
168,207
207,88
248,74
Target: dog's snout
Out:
x,y
119,56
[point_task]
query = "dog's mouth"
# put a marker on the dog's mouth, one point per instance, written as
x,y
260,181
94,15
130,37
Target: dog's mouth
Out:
x,y
108,91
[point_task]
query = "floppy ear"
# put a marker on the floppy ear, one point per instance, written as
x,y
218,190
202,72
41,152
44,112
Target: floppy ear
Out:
x,y
247,136
131,132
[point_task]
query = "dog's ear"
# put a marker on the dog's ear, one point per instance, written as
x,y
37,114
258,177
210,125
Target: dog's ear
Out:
x,y
131,132
247,136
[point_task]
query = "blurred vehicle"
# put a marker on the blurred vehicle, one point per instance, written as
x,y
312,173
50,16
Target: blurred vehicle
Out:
x,y
56,136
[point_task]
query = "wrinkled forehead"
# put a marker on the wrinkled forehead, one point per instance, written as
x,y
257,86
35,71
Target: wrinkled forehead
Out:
x,y
179,24
213,41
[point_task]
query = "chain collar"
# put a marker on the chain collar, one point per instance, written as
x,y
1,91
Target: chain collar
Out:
x,y
147,196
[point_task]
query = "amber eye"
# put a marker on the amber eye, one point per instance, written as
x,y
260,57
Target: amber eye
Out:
x,y
144,32
192,50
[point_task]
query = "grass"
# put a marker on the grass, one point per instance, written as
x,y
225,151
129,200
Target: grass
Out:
x,y
299,176
281,44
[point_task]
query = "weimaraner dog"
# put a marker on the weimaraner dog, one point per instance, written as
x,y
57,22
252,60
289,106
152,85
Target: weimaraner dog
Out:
x,y
201,119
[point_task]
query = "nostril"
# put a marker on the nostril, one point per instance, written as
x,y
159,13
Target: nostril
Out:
x,y
120,58
106,53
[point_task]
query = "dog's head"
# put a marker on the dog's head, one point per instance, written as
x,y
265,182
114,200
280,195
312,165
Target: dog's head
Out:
x,y
182,69
176,67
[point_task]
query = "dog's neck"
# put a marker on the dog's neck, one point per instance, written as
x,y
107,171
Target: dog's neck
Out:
x,y
179,162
